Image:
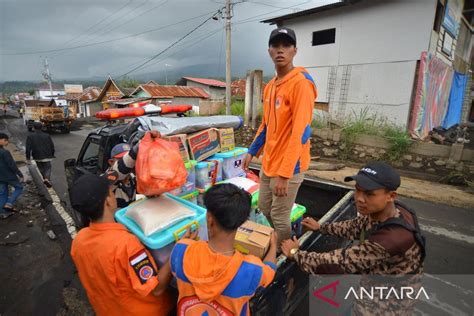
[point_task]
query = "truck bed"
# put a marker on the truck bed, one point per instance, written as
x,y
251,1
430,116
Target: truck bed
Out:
x,y
328,203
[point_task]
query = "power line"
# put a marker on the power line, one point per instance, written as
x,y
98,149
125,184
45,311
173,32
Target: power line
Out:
x,y
96,24
106,41
183,46
91,37
256,17
168,48
122,24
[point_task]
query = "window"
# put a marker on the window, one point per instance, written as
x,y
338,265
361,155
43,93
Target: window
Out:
x,y
91,153
438,17
324,37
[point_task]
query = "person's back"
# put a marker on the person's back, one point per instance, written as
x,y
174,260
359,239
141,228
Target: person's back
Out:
x,y
212,277
208,279
39,145
105,253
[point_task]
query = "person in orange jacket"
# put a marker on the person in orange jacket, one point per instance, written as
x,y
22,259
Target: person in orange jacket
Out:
x,y
116,270
213,278
283,136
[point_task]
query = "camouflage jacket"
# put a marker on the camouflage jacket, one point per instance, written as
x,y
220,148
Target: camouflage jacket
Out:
x,y
390,250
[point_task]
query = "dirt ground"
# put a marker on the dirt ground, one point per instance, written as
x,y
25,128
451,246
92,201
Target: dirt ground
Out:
x,y
420,189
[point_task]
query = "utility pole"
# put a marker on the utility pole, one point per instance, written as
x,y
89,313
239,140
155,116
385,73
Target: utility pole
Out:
x,y
47,76
228,76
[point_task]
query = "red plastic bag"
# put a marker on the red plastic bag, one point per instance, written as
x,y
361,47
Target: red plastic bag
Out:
x,y
159,166
252,176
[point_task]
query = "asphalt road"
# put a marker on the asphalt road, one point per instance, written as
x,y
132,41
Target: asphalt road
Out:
x,y
449,230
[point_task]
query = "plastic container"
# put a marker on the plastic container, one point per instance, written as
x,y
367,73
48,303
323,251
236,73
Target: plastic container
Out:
x,y
161,244
233,161
248,185
190,184
296,217
204,170
191,197
220,163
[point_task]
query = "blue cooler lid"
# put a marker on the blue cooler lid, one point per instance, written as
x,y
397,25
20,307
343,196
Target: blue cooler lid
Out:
x,y
205,164
234,153
170,235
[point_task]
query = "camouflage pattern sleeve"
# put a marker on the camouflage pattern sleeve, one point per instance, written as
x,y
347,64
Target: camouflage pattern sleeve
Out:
x,y
360,259
349,229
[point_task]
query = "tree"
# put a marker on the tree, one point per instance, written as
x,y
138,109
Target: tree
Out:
x,y
129,83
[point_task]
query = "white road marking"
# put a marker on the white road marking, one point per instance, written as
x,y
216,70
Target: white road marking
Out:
x,y
56,201
451,234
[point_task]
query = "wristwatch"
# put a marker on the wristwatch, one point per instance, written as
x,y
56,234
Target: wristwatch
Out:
x,y
293,252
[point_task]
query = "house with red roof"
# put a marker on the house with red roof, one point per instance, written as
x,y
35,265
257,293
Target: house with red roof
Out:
x,y
215,88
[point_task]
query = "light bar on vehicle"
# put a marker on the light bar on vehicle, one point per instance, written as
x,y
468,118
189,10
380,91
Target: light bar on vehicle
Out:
x,y
114,114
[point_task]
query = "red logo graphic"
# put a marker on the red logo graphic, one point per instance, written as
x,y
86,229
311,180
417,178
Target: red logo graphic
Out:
x,y
331,301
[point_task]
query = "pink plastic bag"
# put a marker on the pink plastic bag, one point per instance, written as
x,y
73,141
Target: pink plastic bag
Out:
x,y
159,166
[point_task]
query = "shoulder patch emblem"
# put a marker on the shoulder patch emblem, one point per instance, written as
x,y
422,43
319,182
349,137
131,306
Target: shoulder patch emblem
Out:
x,y
142,266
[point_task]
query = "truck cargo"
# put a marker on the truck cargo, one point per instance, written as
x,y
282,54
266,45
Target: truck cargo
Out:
x,y
50,115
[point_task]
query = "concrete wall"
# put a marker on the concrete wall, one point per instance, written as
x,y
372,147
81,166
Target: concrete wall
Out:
x,y
373,60
210,107
215,93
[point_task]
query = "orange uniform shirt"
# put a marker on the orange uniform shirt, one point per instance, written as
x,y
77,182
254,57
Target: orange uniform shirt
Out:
x,y
214,284
117,272
284,134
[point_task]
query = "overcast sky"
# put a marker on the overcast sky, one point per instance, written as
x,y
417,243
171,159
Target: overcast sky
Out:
x,y
40,25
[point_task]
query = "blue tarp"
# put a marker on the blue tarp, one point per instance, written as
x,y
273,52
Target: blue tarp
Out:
x,y
456,98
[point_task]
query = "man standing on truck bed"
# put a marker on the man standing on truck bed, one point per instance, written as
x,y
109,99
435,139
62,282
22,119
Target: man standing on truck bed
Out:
x,y
283,136
40,146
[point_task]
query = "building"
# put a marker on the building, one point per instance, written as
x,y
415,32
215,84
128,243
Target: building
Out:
x,y
366,55
73,93
88,103
43,92
196,97
111,92
215,88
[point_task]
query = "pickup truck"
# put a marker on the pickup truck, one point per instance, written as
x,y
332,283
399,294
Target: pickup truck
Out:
x,y
51,116
289,292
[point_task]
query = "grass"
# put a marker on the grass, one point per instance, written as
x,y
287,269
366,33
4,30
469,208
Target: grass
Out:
x,y
365,123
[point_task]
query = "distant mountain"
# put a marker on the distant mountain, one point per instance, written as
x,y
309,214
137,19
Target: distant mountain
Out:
x,y
170,76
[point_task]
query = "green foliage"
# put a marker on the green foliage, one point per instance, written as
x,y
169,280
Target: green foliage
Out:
x,y
236,108
129,83
365,123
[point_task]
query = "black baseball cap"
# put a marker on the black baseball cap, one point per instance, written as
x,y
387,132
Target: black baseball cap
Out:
x,y
376,175
282,32
89,191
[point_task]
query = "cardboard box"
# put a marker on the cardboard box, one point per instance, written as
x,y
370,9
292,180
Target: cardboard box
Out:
x,y
226,139
181,139
203,144
252,238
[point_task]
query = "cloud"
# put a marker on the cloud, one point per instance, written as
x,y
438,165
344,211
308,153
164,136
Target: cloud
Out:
x,y
33,25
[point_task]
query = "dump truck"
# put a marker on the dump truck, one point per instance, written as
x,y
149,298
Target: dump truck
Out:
x,y
49,114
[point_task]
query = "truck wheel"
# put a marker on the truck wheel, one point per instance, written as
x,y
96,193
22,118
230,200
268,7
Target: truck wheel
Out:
x,y
65,130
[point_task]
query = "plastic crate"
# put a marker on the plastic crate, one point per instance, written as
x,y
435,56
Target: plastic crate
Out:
x,y
233,161
161,243
190,184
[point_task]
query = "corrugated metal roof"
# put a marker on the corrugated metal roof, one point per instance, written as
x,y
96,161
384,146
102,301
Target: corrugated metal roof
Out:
x,y
45,86
209,82
279,19
70,96
90,94
174,91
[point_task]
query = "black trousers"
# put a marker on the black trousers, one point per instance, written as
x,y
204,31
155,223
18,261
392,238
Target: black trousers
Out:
x,y
45,169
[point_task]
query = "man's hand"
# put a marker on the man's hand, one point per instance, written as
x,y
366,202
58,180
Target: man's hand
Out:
x,y
22,180
289,244
274,240
247,160
190,235
281,186
154,134
311,223
28,162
